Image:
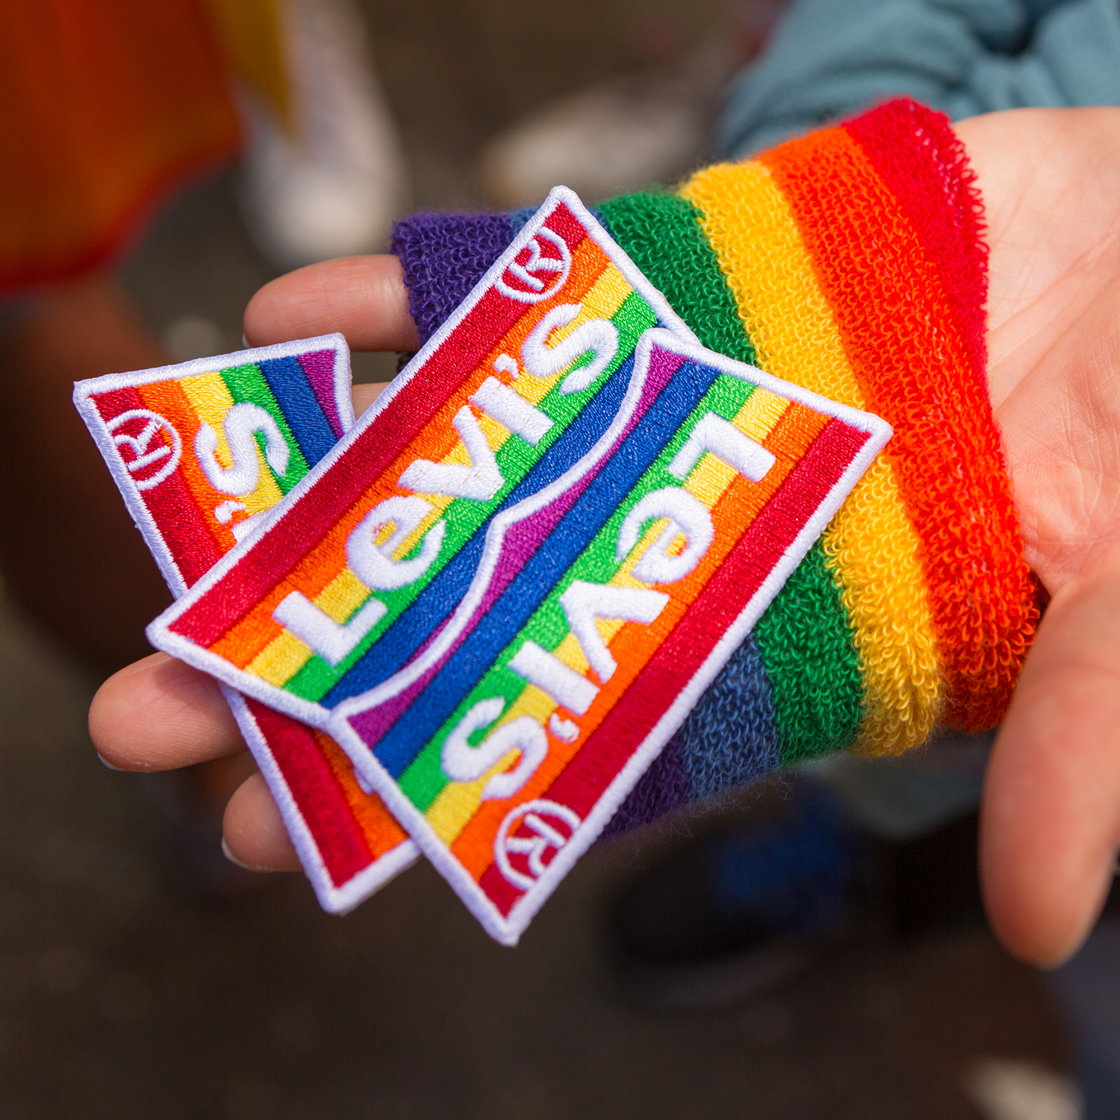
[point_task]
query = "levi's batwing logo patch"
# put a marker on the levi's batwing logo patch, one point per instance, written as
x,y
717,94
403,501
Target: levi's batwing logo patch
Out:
x,y
505,589
201,451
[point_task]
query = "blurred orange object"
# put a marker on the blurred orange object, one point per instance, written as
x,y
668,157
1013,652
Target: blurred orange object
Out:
x,y
106,106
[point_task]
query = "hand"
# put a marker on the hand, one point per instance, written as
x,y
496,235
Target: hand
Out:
x,y
1051,814
1051,811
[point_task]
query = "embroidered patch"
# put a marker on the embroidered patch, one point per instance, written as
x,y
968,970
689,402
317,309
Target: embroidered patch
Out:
x,y
201,451
503,620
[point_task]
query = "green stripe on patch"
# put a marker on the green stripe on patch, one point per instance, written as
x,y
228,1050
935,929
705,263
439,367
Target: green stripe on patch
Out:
x,y
805,636
424,779
463,517
247,384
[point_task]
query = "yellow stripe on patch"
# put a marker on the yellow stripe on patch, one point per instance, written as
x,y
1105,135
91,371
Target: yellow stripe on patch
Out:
x,y
280,660
757,417
871,545
211,400
601,301
457,802
285,655
711,476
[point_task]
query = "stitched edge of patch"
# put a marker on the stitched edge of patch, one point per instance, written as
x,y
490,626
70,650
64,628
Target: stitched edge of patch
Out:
x,y
159,632
507,928
126,484
341,899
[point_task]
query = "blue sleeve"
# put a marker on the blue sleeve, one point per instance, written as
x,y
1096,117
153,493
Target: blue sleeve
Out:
x,y
831,58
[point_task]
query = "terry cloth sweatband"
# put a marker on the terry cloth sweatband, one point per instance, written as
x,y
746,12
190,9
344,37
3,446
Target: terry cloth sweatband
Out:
x,y
849,262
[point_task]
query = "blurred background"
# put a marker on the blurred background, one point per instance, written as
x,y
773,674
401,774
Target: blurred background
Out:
x,y
132,985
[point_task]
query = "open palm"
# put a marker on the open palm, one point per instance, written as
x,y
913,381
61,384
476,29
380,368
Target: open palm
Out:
x,y
1051,814
1051,818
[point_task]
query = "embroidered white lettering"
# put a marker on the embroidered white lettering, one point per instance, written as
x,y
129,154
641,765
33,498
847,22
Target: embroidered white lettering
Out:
x,y
481,480
512,410
223,513
726,442
503,363
600,336
462,762
686,515
332,641
583,603
241,424
373,564
241,529
564,729
550,827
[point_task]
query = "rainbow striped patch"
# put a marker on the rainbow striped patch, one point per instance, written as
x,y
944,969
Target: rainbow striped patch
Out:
x,y
505,589
201,451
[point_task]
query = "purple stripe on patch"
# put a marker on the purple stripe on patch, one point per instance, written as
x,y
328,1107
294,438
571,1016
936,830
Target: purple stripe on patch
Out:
x,y
521,542
444,256
318,368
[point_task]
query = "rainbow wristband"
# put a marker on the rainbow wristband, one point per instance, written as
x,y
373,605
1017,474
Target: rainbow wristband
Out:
x,y
849,262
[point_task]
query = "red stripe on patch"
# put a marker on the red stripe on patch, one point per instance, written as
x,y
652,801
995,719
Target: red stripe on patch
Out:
x,y
567,225
309,521
184,530
320,799
723,599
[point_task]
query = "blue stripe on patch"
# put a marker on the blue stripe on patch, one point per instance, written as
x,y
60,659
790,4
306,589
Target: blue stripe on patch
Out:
x,y
575,531
302,410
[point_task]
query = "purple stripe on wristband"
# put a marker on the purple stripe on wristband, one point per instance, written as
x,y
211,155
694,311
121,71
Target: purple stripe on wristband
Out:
x,y
663,787
444,256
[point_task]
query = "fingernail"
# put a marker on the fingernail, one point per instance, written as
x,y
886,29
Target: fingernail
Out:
x,y
108,765
238,863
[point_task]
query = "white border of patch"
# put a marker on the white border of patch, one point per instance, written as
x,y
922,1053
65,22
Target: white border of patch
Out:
x,y
508,929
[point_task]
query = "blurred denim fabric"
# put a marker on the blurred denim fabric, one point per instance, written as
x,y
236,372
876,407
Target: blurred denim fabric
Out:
x,y
830,58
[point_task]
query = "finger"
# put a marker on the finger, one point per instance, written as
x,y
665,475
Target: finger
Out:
x,y
363,297
1051,814
253,833
365,395
159,714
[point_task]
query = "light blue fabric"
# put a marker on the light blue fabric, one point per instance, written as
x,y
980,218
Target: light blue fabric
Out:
x,y
831,58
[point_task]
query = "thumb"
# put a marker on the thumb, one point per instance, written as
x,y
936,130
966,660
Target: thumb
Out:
x,y
1050,822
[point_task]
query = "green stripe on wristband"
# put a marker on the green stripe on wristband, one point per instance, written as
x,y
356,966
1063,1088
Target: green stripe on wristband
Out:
x,y
662,235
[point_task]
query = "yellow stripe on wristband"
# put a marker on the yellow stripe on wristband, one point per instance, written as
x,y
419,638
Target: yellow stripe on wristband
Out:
x,y
871,544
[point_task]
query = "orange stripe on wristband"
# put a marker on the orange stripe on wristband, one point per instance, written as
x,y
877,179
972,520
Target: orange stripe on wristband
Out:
x,y
901,337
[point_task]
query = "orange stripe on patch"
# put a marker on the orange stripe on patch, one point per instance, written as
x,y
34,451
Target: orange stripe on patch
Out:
x,y
168,399
381,831
257,629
